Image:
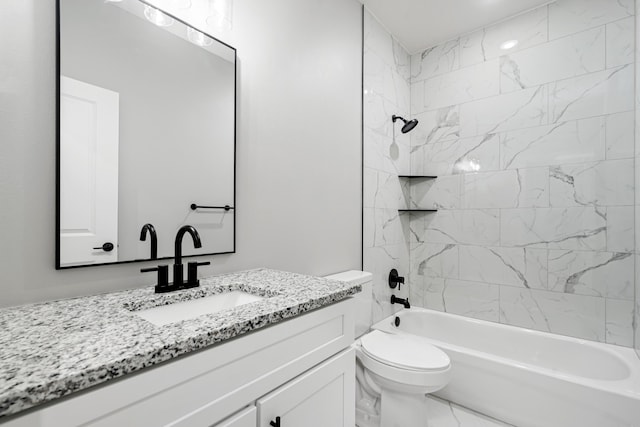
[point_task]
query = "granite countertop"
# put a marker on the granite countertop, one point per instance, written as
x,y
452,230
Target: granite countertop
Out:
x,y
52,349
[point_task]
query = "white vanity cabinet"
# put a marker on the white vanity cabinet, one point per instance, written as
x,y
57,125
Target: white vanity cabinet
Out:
x,y
301,369
321,397
245,418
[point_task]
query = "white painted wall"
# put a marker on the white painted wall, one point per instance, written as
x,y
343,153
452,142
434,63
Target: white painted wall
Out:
x,y
298,158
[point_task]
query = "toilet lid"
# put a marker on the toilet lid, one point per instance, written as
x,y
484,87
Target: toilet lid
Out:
x,y
404,351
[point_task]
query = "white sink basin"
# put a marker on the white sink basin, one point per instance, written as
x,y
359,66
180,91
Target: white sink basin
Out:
x,y
165,314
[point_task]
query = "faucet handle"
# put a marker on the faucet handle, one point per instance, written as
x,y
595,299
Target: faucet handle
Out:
x,y
192,273
163,276
395,280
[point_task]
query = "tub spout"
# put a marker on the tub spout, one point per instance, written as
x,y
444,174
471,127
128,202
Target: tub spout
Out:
x,y
403,301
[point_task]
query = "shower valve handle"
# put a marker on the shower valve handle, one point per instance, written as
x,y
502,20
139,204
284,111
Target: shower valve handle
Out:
x,y
395,279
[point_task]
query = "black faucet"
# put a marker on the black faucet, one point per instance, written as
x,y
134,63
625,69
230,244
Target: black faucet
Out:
x,y
403,301
154,239
178,268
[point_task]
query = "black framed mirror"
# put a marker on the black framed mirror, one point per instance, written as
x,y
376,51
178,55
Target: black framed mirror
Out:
x,y
146,134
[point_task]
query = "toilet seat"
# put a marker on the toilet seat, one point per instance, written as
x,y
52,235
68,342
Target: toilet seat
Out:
x,y
399,375
404,352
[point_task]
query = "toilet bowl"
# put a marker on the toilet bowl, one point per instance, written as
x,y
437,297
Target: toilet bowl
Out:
x,y
394,372
398,371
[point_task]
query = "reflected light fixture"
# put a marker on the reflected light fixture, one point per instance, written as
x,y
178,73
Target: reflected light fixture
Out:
x,y
509,44
198,38
157,17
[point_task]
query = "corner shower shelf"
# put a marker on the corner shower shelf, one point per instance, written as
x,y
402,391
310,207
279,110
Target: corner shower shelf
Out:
x,y
418,176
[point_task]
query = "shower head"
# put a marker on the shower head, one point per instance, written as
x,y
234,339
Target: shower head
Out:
x,y
408,125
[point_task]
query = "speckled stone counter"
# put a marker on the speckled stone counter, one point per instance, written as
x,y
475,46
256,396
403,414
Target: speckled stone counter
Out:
x,y
53,349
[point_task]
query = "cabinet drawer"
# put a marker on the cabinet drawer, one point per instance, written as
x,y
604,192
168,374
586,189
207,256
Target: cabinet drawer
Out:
x,y
246,418
322,397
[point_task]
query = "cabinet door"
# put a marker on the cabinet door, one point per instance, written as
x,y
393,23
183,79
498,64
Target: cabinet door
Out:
x,y
245,418
321,397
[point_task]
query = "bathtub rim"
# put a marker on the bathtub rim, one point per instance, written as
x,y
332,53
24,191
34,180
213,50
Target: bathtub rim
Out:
x,y
622,387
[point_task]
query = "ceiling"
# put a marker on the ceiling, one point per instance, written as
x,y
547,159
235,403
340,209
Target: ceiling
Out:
x,y
419,24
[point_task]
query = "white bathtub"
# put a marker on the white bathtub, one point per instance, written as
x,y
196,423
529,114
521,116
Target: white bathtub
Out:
x,y
530,378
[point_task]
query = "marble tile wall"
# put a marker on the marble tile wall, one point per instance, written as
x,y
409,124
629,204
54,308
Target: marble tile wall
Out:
x,y
534,152
386,155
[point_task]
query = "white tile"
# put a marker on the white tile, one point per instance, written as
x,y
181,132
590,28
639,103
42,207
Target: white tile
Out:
x,y
620,228
528,29
581,228
436,60
560,59
472,299
417,98
383,190
590,95
620,42
368,227
574,315
472,227
522,267
382,79
378,40
379,261
463,85
440,193
383,227
437,125
606,183
571,16
602,274
416,289
377,114
506,189
534,188
462,155
402,60
384,154
447,414
416,226
620,135
510,111
434,293
433,260
619,326
568,142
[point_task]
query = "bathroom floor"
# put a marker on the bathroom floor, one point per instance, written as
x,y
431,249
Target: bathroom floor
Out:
x,y
446,414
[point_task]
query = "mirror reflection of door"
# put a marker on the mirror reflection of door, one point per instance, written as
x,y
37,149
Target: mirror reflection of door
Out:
x,y
89,123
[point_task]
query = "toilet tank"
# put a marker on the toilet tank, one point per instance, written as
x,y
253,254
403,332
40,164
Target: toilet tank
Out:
x,y
364,299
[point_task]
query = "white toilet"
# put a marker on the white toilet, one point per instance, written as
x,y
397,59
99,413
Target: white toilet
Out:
x,y
394,372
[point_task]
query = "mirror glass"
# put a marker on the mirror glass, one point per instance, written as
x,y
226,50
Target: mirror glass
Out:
x,y
146,119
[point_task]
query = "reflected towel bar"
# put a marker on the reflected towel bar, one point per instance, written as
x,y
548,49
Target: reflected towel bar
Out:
x,y
225,207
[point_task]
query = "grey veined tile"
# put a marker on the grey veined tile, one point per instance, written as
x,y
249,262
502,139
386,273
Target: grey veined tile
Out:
x,y
522,267
619,324
529,29
578,141
578,316
606,183
573,228
603,274
571,16
560,59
